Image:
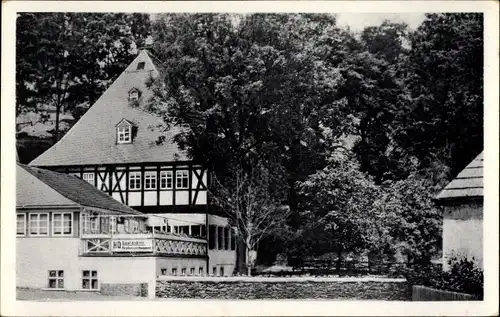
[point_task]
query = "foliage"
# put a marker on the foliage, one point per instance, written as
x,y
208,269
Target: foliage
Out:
x,y
335,208
444,121
463,276
408,220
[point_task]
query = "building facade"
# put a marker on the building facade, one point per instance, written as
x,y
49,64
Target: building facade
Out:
x,y
71,236
462,201
125,151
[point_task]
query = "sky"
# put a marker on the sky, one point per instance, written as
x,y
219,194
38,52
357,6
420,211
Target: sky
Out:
x,y
358,21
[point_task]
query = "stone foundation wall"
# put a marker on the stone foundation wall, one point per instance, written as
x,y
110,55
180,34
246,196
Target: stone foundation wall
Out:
x,y
355,290
424,293
137,289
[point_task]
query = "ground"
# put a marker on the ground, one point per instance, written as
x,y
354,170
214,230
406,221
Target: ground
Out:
x,y
39,295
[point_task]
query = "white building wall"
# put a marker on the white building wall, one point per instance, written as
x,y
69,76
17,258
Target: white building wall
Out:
x,y
463,233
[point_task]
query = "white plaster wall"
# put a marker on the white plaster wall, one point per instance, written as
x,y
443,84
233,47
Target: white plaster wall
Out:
x,y
463,238
166,198
119,269
463,232
182,197
180,263
35,256
219,258
150,198
134,199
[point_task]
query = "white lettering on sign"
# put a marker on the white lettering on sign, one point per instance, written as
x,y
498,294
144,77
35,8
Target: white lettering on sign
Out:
x,y
143,245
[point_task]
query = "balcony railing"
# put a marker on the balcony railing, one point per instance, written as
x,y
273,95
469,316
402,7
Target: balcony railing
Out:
x,y
142,243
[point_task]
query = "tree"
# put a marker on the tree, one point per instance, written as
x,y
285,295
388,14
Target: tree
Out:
x,y
374,69
336,205
247,201
68,59
444,121
412,221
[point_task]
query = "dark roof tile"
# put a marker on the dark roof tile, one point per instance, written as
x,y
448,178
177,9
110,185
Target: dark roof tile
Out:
x,y
468,183
78,191
92,140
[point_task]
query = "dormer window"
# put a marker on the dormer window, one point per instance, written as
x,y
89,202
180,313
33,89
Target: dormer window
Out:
x,y
134,94
124,132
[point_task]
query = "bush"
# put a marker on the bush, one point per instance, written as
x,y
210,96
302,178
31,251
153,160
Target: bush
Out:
x,y
463,277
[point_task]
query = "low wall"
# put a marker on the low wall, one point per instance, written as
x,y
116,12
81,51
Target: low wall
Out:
x,y
424,293
284,288
136,289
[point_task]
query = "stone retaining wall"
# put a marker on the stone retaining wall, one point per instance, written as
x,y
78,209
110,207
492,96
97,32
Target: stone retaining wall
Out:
x,y
307,289
137,289
424,293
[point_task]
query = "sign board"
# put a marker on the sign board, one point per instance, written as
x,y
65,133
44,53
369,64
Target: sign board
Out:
x,y
132,245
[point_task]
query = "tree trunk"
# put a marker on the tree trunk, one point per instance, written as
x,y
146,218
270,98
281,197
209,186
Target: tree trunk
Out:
x,y
247,257
339,260
56,132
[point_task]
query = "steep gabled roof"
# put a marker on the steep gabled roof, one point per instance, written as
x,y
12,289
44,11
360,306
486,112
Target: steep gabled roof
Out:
x,y
468,183
92,140
36,187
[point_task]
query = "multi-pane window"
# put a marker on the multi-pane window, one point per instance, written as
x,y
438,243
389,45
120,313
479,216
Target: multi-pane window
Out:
x,y
184,229
89,178
124,134
233,240
226,238
89,279
21,224
200,271
56,279
220,236
134,180
150,180
183,271
133,95
182,179
166,180
196,231
212,242
191,271
62,223
39,224
174,271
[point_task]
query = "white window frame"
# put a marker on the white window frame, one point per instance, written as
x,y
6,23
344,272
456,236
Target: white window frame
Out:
x,y
150,179
62,214
25,225
90,279
134,176
57,278
166,176
89,177
38,214
133,95
124,134
179,177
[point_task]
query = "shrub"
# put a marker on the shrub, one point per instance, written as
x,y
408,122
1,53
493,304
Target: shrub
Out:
x,y
463,277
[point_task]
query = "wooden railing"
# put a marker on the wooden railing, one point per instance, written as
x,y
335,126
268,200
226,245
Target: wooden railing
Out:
x,y
142,243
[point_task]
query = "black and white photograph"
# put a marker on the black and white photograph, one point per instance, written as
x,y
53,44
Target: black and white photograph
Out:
x,y
250,156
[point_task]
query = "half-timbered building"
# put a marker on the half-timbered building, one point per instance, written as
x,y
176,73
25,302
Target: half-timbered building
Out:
x,y
125,151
